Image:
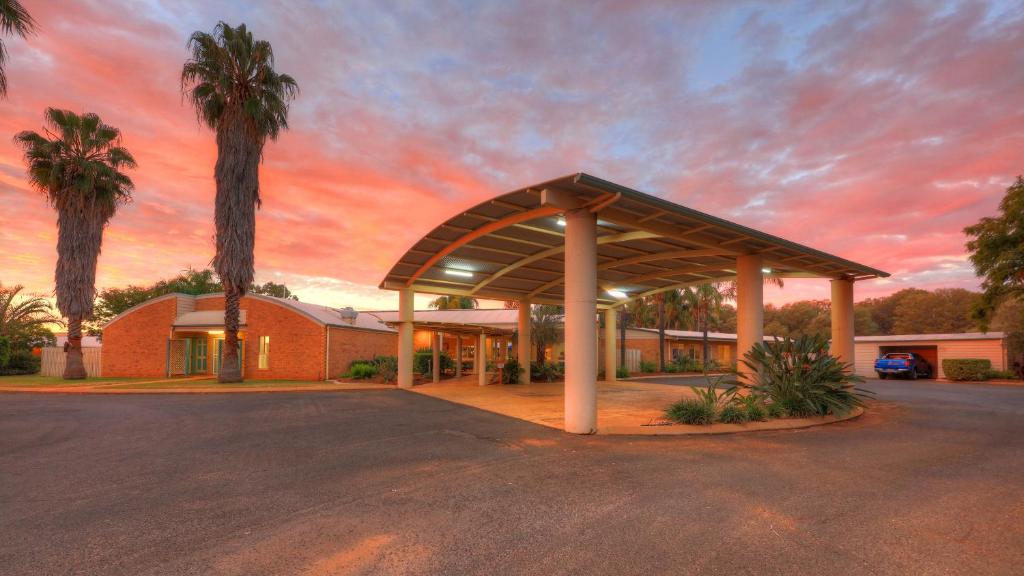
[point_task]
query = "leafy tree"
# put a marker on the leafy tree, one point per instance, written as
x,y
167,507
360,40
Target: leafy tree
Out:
x,y
545,324
13,19
25,319
454,303
806,317
77,163
231,82
273,289
1009,318
942,311
997,251
189,281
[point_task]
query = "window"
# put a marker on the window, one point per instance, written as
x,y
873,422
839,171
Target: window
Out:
x,y
264,352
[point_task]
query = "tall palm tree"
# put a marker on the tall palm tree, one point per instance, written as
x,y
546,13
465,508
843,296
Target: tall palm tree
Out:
x,y
545,325
454,303
13,19
704,301
77,163
231,82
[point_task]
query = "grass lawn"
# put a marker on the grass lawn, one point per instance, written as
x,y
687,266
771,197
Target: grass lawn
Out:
x,y
37,381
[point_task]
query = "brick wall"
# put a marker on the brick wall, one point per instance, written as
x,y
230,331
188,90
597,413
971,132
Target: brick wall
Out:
x,y
135,345
296,342
349,344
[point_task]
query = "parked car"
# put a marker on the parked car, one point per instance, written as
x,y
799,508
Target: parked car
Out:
x,y
909,364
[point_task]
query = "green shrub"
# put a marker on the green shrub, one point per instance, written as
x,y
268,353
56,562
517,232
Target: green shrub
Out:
x,y
1000,375
648,367
387,368
802,377
690,411
425,356
732,414
362,370
20,362
684,364
622,372
775,410
510,374
672,368
549,371
752,405
966,368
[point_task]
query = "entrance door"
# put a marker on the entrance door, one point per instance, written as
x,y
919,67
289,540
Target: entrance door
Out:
x,y
218,358
199,355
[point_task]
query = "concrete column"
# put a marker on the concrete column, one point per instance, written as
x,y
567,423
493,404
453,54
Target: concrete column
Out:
x,y
435,357
842,320
481,360
406,302
749,304
524,342
580,313
610,315
458,356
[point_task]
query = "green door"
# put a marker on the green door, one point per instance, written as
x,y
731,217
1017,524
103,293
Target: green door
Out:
x,y
218,357
199,355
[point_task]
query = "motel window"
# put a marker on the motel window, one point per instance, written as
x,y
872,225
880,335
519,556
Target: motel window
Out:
x,y
264,352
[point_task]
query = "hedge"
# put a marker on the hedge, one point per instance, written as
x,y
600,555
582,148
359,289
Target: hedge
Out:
x,y
966,368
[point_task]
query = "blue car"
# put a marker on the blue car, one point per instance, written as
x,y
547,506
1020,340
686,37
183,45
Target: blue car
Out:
x,y
908,364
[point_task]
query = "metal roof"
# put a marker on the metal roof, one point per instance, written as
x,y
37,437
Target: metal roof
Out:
x,y
932,337
472,320
319,313
512,247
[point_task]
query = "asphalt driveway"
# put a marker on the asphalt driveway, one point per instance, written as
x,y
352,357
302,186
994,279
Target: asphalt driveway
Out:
x,y
928,482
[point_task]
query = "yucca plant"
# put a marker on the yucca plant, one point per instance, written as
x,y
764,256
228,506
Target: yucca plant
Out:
x,y
800,376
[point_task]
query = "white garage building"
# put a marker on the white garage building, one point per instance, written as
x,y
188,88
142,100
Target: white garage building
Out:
x,y
932,347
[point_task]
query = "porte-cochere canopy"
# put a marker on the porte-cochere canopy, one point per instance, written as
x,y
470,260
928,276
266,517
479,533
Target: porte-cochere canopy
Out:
x,y
513,247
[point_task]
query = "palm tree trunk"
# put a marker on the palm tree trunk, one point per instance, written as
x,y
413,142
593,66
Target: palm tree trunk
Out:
x,y
622,337
540,354
704,327
74,367
230,371
661,335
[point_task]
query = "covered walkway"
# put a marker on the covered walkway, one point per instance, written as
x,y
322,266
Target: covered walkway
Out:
x,y
593,246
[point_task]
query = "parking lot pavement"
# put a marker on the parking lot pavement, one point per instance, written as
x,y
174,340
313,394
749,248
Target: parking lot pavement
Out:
x,y
928,482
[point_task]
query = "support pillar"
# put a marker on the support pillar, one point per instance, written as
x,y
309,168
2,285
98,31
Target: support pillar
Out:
x,y
435,357
749,305
524,342
481,360
458,356
580,313
406,302
610,315
842,320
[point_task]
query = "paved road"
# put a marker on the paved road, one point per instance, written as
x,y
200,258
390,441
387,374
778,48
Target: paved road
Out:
x,y
929,482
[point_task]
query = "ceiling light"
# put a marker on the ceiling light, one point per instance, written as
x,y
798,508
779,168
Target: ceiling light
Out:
x,y
617,294
462,273
561,222
766,270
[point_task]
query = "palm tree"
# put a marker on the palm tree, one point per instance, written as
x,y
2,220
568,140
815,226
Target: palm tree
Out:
x,y
20,313
545,322
454,303
231,82
77,164
703,301
13,19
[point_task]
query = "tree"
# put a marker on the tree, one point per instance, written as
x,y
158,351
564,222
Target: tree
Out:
x,y
24,318
545,322
77,163
997,251
273,289
942,311
703,301
13,19
1009,318
231,82
454,303
669,308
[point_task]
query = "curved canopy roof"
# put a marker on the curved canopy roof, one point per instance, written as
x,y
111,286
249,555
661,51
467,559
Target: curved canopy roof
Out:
x,y
512,247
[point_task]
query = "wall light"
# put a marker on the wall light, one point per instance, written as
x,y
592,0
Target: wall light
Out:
x,y
462,273
617,294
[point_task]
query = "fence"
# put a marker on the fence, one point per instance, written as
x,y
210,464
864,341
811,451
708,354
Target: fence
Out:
x,y
54,358
633,360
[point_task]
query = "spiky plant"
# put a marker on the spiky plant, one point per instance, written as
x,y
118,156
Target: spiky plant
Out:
x,y
231,82
14,19
77,163
800,376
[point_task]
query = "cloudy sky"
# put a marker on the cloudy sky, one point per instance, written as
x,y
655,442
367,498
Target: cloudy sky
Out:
x,y
874,130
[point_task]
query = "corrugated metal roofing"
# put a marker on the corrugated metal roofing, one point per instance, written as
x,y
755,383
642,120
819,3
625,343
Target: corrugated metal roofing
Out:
x,y
926,337
496,317
512,247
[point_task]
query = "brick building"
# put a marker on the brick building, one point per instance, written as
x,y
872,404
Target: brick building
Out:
x,y
178,335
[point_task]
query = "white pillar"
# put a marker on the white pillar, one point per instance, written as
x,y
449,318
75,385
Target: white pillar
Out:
x,y
406,302
749,305
481,360
524,342
842,320
580,313
610,315
458,356
435,357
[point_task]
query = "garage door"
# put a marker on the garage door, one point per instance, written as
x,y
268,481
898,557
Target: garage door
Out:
x,y
929,353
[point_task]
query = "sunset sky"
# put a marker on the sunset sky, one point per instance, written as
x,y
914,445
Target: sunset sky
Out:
x,y
875,131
